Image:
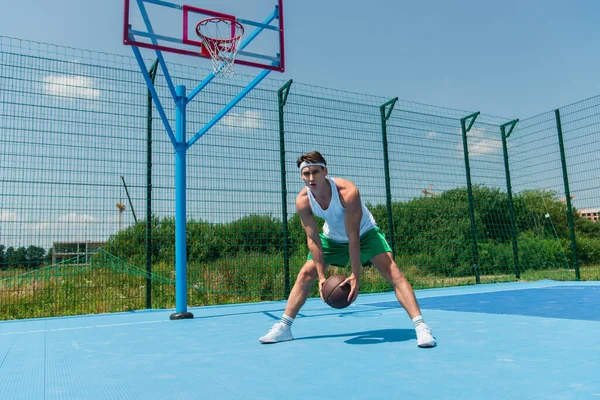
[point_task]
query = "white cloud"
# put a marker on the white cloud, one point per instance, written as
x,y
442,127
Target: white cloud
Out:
x,y
73,218
71,86
7,216
250,119
484,146
22,230
77,218
479,144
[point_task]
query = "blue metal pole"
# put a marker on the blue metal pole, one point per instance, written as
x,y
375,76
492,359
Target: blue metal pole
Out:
x,y
180,211
152,89
161,60
229,106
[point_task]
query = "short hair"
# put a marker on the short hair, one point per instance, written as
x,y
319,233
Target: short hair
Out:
x,y
312,157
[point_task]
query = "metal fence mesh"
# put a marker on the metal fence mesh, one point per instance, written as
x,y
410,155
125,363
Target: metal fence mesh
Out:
x,y
87,186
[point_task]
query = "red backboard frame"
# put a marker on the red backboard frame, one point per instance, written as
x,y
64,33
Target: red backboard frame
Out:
x,y
191,47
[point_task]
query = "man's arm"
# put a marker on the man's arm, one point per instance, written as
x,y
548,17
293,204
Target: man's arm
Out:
x,y
353,205
312,235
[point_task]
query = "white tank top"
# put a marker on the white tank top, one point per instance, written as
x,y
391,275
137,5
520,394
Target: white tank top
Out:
x,y
335,228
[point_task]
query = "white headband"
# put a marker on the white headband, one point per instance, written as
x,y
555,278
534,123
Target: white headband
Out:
x,y
310,164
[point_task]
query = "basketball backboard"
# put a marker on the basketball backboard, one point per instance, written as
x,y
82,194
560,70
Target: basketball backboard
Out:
x,y
169,27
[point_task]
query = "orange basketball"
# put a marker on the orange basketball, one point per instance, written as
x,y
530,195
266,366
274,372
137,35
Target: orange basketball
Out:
x,y
335,295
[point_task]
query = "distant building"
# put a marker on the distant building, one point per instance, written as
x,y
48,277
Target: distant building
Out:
x,y
590,213
77,252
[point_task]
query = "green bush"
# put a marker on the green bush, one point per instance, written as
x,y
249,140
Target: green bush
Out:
x,y
537,253
257,233
434,231
496,258
588,250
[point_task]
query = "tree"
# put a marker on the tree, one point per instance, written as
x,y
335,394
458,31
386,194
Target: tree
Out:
x,y
34,256
16,257
3,263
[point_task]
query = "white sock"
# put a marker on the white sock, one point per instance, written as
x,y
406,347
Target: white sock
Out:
x,y
287,320
418,320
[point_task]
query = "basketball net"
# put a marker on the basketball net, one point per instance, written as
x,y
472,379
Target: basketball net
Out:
x,y
220,37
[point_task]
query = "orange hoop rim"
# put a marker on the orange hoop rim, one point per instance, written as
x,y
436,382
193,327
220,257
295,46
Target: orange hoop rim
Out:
x,y
218,41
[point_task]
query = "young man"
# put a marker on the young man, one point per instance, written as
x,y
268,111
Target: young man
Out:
x,y
350,231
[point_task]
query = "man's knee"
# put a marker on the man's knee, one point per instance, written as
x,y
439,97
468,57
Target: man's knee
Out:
x,y
388,268
308,273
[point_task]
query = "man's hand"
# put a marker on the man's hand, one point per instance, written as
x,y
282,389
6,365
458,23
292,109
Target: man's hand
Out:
x,y
354,282
321,283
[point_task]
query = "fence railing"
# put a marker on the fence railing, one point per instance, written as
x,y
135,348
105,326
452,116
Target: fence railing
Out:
x,y
87,186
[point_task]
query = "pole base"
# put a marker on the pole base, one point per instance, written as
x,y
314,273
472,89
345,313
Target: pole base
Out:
x,y
181,315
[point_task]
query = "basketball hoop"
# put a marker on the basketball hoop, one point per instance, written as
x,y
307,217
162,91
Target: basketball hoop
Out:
x,y
220,37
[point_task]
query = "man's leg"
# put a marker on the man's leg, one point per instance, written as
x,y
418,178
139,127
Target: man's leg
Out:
x,y
404,291
281,331
299,294
406,296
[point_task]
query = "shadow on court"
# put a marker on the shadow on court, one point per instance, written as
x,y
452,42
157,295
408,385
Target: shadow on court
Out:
x,y
370,337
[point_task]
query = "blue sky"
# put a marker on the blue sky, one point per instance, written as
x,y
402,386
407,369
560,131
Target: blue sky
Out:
x,y
512,58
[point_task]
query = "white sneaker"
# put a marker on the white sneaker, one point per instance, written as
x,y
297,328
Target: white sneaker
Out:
x,y
424,337
279,332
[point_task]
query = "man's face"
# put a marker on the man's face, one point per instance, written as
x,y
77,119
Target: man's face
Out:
x,y
313,176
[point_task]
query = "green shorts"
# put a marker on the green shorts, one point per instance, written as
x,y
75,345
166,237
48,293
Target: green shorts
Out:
x,y
372,243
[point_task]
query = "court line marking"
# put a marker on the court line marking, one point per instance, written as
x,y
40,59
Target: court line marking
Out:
x,y
491,290
81,327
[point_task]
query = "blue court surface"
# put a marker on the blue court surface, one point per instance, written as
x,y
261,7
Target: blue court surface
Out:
x,y
536,340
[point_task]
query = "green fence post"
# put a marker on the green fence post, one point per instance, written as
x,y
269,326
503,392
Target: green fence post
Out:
x,y
563,162
152,73
511,208
385,115
465,129
282,95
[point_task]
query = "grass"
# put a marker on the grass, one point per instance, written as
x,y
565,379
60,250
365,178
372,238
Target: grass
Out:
x,y
113,285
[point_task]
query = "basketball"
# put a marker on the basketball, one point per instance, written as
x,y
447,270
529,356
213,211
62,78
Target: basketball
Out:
x,y
336,296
